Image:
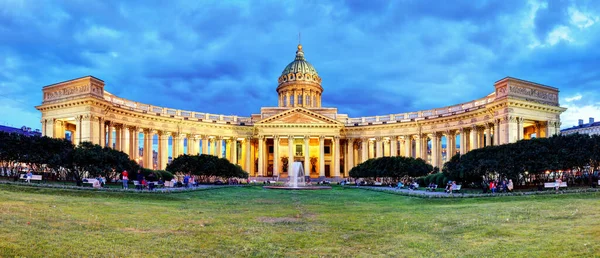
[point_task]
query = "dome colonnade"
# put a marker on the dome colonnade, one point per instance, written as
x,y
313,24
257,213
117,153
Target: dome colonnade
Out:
x,y
327,142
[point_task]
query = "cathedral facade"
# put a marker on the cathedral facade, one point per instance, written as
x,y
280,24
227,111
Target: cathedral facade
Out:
x,y
328,143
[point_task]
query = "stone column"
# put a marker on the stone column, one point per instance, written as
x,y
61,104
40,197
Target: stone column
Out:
x,y
450,144
110,135
276,165
124,139
364,149
408,146
379,147
181,142
488,136
418,147
234,150
205,143
163,149
511,128
194,145
473,138
219,146
134,152
287,95
175,143
349,155
102,124
434,150
393,146
147,163
321,156
336,156
306,155
520,128
248,162
119,137
496,132
261,154
290,153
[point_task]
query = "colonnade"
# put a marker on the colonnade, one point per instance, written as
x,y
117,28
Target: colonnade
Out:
x,y
428,145
252,154
300,98
127,138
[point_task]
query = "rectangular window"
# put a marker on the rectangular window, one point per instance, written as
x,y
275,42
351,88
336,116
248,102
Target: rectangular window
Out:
x,y
270,149
299,150
327,149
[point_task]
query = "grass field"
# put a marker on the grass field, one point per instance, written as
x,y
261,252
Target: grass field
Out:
x,y
250,221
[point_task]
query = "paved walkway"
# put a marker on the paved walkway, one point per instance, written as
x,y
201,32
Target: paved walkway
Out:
x,y
442,194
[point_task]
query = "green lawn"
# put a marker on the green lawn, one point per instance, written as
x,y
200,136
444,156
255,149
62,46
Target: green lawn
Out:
x,y
250,221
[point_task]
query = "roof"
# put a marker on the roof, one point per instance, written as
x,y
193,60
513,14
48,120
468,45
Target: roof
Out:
x,y
588,125
23,130
300,65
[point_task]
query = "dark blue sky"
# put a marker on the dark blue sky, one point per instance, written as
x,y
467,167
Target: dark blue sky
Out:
x,y
375,57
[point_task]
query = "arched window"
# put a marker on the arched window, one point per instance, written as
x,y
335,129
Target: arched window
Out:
x,y
300,99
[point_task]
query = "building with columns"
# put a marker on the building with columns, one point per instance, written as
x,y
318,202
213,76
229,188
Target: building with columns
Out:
x,y
328,143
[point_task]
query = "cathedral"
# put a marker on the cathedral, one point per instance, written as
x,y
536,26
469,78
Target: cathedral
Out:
x,y
327,143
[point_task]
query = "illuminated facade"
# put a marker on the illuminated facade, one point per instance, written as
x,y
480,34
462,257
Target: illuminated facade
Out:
x,y
299,129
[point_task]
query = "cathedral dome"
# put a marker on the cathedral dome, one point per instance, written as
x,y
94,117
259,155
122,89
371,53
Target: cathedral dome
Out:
x,y
299,70
299,84
300,65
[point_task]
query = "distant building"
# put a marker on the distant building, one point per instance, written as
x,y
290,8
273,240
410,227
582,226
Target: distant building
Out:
x,y
590,128
23,130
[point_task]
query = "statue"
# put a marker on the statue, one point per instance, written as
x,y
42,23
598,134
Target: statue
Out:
x,y
313,161
284,162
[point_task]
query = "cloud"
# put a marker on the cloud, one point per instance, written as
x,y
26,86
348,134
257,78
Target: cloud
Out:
x,y
225,57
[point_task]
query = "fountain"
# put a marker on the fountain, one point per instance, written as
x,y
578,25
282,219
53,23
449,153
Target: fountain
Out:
x,y
297,180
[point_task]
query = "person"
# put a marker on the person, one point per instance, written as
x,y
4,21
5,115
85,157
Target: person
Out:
x,y
400,185
192,181
452,186
510,185
503,186
174,182
29,176
97,183
125,179
144,182
186,180
140,177
448,187
492,186
557,184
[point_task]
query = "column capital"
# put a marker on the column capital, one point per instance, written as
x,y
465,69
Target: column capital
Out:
x,y
307,137
276,137
336,137
261,137
218,138
165,133
321,137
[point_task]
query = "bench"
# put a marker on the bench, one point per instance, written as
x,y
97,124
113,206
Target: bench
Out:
x,y
377,183
33,177
457,188
552,185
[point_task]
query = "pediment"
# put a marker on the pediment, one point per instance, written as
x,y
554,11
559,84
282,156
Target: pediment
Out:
x,y
299,116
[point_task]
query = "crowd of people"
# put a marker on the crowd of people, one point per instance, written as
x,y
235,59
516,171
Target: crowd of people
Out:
x,y
498,186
